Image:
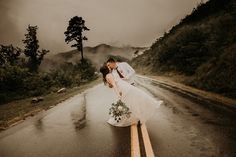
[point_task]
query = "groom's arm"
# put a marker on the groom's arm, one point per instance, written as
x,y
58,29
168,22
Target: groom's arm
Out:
x,y
110,79
130,70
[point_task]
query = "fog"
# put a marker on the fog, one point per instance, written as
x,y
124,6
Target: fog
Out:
x,y
115,22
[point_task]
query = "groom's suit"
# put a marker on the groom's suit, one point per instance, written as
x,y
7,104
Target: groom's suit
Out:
x,y
125,72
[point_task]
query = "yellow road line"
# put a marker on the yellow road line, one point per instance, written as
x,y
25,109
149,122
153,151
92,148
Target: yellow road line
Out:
x,y
146,141
135,150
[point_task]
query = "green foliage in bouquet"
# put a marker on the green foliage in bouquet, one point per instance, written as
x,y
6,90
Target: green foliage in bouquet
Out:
x,y
118,110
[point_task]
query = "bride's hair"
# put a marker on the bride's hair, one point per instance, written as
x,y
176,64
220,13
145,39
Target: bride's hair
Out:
x,y
104,70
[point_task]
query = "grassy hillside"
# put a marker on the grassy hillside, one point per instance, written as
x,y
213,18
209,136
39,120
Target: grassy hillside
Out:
x,y
98,55
201,47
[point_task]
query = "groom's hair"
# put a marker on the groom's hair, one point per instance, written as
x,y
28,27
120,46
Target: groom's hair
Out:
x,y
111,60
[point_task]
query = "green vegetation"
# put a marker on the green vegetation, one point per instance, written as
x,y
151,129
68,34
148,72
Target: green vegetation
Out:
x,y
18,110
31,49
18,82
74,32
20,77
201,47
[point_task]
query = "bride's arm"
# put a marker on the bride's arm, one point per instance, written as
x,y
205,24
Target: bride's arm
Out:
x,y
110,79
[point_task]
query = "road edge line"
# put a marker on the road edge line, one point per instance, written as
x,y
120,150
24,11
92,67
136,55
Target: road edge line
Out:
x,y
216,102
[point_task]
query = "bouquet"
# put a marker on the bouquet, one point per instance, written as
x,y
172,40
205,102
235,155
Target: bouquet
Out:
x,y
118,110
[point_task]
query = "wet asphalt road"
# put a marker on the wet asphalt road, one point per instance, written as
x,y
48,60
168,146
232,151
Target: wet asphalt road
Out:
x,y
65,132
77,127
187,128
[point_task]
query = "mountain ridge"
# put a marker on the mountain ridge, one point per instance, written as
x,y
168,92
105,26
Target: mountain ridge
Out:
x,y
97,54
201,48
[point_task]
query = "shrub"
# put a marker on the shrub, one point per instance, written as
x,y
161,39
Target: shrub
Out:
x,y
17,82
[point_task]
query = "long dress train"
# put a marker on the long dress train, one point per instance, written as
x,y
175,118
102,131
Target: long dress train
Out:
x,y
141,105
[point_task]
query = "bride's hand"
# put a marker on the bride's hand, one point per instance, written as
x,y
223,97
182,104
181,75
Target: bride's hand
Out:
x,y
120,95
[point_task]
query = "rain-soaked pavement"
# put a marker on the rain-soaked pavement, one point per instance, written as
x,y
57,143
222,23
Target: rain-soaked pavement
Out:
x,y
77,127
65,132
189,128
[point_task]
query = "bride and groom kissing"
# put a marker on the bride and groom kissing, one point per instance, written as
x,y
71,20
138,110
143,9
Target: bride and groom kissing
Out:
x,y
120,77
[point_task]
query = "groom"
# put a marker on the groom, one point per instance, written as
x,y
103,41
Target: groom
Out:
x,y
122,70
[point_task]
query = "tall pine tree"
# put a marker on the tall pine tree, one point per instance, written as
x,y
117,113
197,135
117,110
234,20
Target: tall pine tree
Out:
x,y
74,32
31,49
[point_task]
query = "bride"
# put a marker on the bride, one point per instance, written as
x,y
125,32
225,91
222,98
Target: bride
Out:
x,y
141,105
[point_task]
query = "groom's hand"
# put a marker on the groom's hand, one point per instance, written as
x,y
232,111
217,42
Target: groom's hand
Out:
x,y
125,78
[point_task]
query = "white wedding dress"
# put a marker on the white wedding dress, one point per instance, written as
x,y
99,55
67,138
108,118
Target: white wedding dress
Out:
x,y
142,106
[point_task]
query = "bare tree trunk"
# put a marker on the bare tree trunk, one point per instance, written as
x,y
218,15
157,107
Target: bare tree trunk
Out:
x,y
82,51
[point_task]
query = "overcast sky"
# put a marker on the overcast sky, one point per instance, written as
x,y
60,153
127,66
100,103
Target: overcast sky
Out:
x,y
115,22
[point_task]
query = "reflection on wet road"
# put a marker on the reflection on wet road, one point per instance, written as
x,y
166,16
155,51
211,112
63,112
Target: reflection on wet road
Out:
x,y
77,127
64,131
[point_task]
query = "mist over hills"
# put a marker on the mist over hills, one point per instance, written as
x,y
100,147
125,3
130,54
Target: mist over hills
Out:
x,y
98,55
201,48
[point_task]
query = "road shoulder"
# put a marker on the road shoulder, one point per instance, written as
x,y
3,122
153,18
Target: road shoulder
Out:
x,y
192,92
16,112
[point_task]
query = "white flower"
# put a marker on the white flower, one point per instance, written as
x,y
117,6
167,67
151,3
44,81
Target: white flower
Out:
x,y
120,108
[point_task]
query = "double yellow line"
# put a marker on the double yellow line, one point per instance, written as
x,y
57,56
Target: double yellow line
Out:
x,y
135,144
